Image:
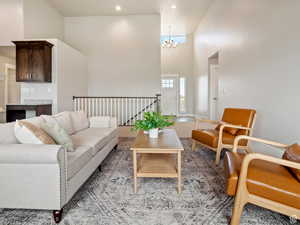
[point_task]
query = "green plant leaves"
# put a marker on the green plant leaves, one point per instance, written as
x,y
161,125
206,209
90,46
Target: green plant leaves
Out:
x,y
152,120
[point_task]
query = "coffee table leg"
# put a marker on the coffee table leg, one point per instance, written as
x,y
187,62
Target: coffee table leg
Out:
x,y
179,171
134,171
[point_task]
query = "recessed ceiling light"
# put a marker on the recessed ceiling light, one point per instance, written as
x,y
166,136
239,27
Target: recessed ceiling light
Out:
x,y
118,8
173,6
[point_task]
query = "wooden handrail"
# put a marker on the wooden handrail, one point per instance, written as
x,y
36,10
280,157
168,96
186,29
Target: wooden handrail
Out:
x,y
75,97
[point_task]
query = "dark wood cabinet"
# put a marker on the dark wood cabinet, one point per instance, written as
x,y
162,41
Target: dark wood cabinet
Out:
x,y
33,61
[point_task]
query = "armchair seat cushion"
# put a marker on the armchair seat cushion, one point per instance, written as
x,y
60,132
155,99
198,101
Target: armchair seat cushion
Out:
x,y
265,179
210,137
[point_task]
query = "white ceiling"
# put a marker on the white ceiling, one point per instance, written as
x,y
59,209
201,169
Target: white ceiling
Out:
x,y
183,20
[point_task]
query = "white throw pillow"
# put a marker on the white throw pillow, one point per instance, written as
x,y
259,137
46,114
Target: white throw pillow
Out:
x,y
63,119
79,120
35,120
59,134
7,133
28,133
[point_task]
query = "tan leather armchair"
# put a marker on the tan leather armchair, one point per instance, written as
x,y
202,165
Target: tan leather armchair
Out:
x,y
234,122
263,180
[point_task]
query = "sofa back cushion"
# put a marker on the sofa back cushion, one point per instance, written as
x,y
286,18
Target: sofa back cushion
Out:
x,y
59,135
28,133
63,119
79,120
292,153
7,133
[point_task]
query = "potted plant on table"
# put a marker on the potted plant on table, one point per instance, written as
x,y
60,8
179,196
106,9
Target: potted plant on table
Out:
x,y
152,122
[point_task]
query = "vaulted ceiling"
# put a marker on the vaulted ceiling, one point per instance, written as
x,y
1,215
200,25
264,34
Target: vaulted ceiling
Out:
x,y
183,19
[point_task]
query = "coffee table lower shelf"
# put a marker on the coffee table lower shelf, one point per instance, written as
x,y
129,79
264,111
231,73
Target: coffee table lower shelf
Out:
x,y
157,165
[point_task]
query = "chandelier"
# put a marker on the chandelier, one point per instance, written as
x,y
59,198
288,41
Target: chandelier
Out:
x,y
169,43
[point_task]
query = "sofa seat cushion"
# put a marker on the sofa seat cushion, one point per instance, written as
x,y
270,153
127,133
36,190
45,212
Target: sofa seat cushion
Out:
x,y
210,137
265,179
78,159
95,138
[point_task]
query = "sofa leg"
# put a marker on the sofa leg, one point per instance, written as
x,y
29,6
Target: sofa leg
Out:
x,y
100,168
57,215
116,146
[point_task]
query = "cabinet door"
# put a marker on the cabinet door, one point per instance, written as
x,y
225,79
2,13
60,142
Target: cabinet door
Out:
x,y
22,64
37,63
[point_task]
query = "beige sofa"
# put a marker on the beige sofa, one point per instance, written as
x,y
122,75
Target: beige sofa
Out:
x,y
47,176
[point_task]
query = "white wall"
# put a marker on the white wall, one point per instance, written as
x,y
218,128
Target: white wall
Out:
x,y
11,21
123,53
41,20
72,77
180,61
259,48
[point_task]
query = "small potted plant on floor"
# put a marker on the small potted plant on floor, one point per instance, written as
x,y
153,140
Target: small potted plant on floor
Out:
x,y
152,122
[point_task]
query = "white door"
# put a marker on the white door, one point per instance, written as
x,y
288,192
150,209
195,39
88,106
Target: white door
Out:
x,y
169,95
214,91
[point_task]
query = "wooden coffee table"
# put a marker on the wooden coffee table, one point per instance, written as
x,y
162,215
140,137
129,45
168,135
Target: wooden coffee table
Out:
x,y
157,157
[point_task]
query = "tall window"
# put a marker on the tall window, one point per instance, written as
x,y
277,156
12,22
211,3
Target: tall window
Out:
x,y
182,95
166,83
179,39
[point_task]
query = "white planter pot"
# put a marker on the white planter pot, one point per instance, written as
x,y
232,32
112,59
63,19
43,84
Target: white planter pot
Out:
x,y
153,133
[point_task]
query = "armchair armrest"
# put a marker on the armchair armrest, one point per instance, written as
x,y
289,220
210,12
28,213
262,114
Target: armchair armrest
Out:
x,y
103,122
31,154
267,142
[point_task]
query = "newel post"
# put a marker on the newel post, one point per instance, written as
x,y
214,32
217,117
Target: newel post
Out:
x,y
158,103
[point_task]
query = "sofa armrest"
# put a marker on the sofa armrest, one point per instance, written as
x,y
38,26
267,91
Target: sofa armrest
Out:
x,y
103,122
33,176
31,154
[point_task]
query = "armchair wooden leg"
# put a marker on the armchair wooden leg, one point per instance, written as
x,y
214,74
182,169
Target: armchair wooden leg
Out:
x,y
57,215
218,154
237,211
194,144
239,203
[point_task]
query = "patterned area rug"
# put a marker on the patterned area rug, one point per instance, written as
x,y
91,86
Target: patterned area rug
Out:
x,y
107,198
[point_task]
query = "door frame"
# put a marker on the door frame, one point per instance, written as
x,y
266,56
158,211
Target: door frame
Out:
x,y
177,91
213,60
6,74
